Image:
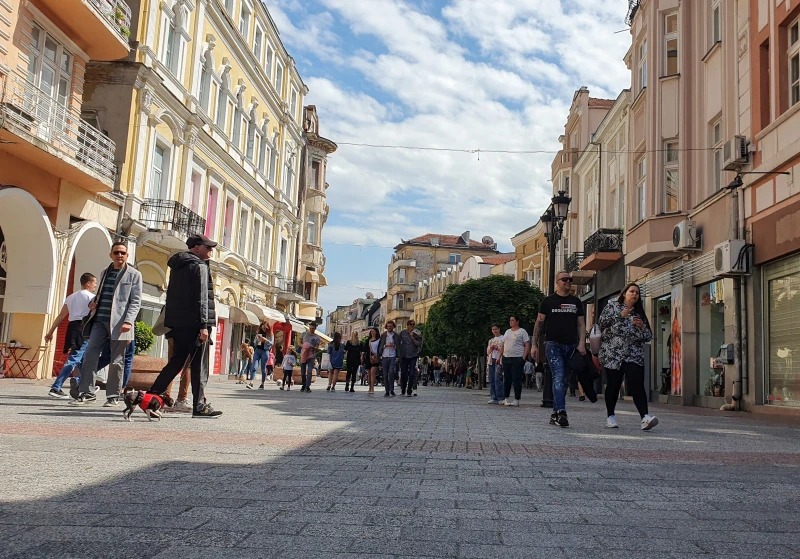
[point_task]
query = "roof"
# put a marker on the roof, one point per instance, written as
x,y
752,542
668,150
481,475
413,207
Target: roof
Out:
x,y
499,259
446,241
594,102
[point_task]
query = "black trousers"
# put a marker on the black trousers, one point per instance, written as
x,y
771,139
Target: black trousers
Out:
x,y
352,372
408,368
634,385
513,370
186,349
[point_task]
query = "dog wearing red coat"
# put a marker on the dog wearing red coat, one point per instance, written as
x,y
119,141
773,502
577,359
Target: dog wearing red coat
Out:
x,y
151,404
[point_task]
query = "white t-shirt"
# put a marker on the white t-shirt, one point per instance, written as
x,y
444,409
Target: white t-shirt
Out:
x,y
373,346
495,344
392,338
78,304
514,342
289,361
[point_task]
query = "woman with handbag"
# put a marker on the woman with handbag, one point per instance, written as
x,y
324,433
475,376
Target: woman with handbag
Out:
x,y
625,331
352,350
374,360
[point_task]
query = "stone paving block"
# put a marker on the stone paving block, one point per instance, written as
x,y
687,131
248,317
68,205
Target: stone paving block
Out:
x,y
476,551
406,547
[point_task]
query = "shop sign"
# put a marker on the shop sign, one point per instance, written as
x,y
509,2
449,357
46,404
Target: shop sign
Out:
x,y
218,346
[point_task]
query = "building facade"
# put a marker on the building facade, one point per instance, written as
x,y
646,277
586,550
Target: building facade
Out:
x,y
532,256
57,168
420,258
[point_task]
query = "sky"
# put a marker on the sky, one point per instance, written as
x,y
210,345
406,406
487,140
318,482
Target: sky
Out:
x,y
447,74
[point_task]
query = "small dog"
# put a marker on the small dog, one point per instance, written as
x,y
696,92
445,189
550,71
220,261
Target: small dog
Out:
x,y
151,404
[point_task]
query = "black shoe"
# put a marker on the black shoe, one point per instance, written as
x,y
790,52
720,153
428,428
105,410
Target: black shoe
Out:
x,y
261,387
85,398
402,392
207,411
328,389
386,395
562,419
582,399
57,393
554,418
308,389
111,403
409,394
392,393
73,388
352,389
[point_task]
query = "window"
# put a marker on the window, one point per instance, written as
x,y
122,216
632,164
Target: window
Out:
x,y
205,88
262,153
266,255
794,63
671,44
268,61
244,223
279,79
565,184
171,50
400,275
227,226
159,174
400,302
251,138
49,68
641,183
229,6
621,204
258,42
244,21
211,211
641,71
670,177
293,103
238,121
716,164
613,207
273,164
196,186
716,22
255,256
454,258
315,175
222,107
312,229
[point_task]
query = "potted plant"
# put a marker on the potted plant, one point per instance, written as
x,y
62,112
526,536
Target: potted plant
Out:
x,y
145,368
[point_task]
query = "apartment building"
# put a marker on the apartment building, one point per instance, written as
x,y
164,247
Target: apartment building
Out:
x,y
417,259
207,115
57,168
532,256
356,317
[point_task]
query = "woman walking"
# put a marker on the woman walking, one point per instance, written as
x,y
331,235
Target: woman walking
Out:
x,y
263,344
373,359
353,352
625,331
336,354
436,366
514,352
423,371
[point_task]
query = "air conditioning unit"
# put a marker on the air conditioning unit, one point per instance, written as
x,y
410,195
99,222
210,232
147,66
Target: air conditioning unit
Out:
x,y
731,258
684,236
734,153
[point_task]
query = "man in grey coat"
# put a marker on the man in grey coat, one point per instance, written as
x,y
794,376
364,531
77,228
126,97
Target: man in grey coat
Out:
x,y
113,314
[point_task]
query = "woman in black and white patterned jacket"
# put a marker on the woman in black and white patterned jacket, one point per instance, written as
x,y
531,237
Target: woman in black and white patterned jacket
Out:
x,y
625,331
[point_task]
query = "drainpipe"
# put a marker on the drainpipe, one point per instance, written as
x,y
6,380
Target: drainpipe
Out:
x,y
599,215
739,305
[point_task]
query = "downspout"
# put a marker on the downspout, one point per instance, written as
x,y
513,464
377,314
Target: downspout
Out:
x,y
599,216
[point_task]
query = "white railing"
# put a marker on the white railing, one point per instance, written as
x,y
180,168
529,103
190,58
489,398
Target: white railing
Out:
x,y
117,13
30,111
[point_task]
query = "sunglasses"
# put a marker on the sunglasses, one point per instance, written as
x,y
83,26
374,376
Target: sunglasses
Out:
x,y
565,280
119,253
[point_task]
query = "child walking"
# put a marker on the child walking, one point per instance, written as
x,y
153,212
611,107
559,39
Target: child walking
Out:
x,y
289,361
245,360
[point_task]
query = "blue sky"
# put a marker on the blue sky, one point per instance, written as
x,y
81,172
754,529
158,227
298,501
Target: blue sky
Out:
x,y
465,74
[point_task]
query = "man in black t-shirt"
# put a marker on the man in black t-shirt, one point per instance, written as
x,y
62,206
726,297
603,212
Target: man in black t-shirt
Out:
x,y
561,322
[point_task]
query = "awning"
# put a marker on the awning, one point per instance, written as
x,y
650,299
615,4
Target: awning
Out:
x,y
241,316
297,326
312,277
266,313
222,310
323,281
323,337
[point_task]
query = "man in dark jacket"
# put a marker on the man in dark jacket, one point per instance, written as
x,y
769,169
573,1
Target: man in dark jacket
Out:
x,y
190,315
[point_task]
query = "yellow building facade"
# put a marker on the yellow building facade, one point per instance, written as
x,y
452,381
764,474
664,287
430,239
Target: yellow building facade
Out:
x,y
532,256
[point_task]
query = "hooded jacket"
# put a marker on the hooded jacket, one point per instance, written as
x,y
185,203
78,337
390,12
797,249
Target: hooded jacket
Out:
x,y
190,295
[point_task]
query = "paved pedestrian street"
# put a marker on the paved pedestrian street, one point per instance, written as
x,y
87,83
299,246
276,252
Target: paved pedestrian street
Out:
x,y
341,475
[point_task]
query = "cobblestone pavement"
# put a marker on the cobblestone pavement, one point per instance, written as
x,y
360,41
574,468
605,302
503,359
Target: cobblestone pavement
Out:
x,y
349,475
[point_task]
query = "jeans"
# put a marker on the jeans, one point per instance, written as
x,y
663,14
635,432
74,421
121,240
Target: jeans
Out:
x,y
246,365
306,370
558,356
408,368
99,339
388,364
185,349
496,388
437,376
634,385
75,360
513,368
260,356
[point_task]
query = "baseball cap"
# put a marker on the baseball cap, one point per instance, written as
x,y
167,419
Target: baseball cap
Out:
x,y
197,240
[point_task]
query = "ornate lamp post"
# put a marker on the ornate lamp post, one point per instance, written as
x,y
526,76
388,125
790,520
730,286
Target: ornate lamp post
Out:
x,y
553,219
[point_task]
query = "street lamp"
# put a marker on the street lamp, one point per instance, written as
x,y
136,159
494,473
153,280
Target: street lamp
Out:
x,y
553,219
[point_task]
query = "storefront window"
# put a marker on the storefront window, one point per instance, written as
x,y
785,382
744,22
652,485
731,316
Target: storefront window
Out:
x,y
783,332
663,339
710,336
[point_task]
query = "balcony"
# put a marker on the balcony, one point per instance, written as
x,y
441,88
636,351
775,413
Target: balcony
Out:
x,y
401,287
100,27
649,244
55,137
168,215
565,159
290,289
396,314
572,264
602,249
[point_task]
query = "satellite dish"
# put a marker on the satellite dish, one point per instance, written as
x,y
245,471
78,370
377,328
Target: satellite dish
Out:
x,y
487,240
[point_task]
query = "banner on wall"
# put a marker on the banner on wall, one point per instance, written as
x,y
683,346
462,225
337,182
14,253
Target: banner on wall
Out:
x,y
218,346
675,340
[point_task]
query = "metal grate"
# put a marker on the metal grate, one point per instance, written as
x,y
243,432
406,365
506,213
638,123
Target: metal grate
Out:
x,y
171,215
572,262
603,240
633,6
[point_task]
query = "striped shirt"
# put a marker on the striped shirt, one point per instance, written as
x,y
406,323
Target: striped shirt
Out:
x,y
105,298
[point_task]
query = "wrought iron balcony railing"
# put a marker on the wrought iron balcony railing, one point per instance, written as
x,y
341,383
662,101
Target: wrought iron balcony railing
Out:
x,y
572,262
172,216
633,6
604,240
28,111
291,285
117,12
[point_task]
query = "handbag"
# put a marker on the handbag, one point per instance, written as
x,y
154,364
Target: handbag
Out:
x,y
373,359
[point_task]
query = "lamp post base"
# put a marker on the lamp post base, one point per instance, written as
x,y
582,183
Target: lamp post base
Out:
x,y
547,388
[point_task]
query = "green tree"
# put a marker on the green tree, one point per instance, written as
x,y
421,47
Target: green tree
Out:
x,y
461,322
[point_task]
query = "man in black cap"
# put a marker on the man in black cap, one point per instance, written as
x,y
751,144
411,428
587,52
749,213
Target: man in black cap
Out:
x,y
190,315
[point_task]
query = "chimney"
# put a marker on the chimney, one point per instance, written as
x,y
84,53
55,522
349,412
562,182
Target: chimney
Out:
x,y
465,236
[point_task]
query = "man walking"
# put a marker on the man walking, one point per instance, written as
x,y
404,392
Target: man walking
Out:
x,y
388,347
308,356
190,315
76,306
561,322
114,312
411,345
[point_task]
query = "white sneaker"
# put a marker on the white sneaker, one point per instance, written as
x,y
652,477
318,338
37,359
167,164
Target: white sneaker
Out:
x,y
648,422
492,402
515,403
183,405
611,422
511,403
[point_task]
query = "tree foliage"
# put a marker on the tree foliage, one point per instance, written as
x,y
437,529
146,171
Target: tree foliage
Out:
x,y
461,322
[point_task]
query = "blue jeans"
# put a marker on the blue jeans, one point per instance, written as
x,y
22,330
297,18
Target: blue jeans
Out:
x,y
76,358
245,367
388,365
260,356
496,388
306,369
558,356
